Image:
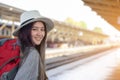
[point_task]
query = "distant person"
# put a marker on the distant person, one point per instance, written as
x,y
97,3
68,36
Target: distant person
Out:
x,y
31,36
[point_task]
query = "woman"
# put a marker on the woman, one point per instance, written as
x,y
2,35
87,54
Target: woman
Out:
x,y
32,35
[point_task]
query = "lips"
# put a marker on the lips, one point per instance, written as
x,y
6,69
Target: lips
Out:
x,y
38,38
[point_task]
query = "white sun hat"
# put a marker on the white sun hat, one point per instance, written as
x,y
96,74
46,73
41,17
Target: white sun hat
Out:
x,y
32,16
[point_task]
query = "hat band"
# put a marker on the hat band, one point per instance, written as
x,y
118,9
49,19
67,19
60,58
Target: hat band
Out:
x,y
27,21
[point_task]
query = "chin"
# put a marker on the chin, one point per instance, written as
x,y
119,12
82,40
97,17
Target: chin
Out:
x,y
38,43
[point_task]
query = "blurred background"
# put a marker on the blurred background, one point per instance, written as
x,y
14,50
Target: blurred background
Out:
x,y
77,23
80,26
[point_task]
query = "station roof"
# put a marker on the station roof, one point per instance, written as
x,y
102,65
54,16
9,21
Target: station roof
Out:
x,y
62,34
108,9
10,13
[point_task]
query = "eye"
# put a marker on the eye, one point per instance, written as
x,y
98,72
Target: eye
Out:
x,y
42,29
34,29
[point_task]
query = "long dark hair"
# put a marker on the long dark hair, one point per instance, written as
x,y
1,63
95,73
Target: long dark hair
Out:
x,y
24,36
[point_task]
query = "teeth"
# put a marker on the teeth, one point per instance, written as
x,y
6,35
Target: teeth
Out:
x,y
38,39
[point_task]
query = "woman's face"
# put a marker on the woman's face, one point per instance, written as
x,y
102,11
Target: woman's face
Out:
x,y
37,32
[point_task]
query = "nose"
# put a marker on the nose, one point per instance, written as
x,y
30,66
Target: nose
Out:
x,y
39,32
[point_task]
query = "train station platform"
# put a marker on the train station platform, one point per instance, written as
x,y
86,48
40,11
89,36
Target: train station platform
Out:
x,y
104,66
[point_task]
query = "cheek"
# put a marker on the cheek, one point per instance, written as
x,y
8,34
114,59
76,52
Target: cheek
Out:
x,y
44,34
32,36
33,33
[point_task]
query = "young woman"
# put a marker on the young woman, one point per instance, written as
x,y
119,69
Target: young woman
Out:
x,y
32,39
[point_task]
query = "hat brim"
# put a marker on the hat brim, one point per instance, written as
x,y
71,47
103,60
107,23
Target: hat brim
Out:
x,y
49,24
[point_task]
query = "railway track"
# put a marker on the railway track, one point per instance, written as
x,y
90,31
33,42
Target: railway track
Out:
x,y
65,59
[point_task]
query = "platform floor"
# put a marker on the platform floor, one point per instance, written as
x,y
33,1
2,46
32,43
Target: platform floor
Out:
x,y
105,67
115,75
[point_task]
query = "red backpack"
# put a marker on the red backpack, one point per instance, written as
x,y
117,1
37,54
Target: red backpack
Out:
x,y
9,58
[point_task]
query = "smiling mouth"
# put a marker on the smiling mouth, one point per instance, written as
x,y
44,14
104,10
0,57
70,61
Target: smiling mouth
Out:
x,y
38,39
